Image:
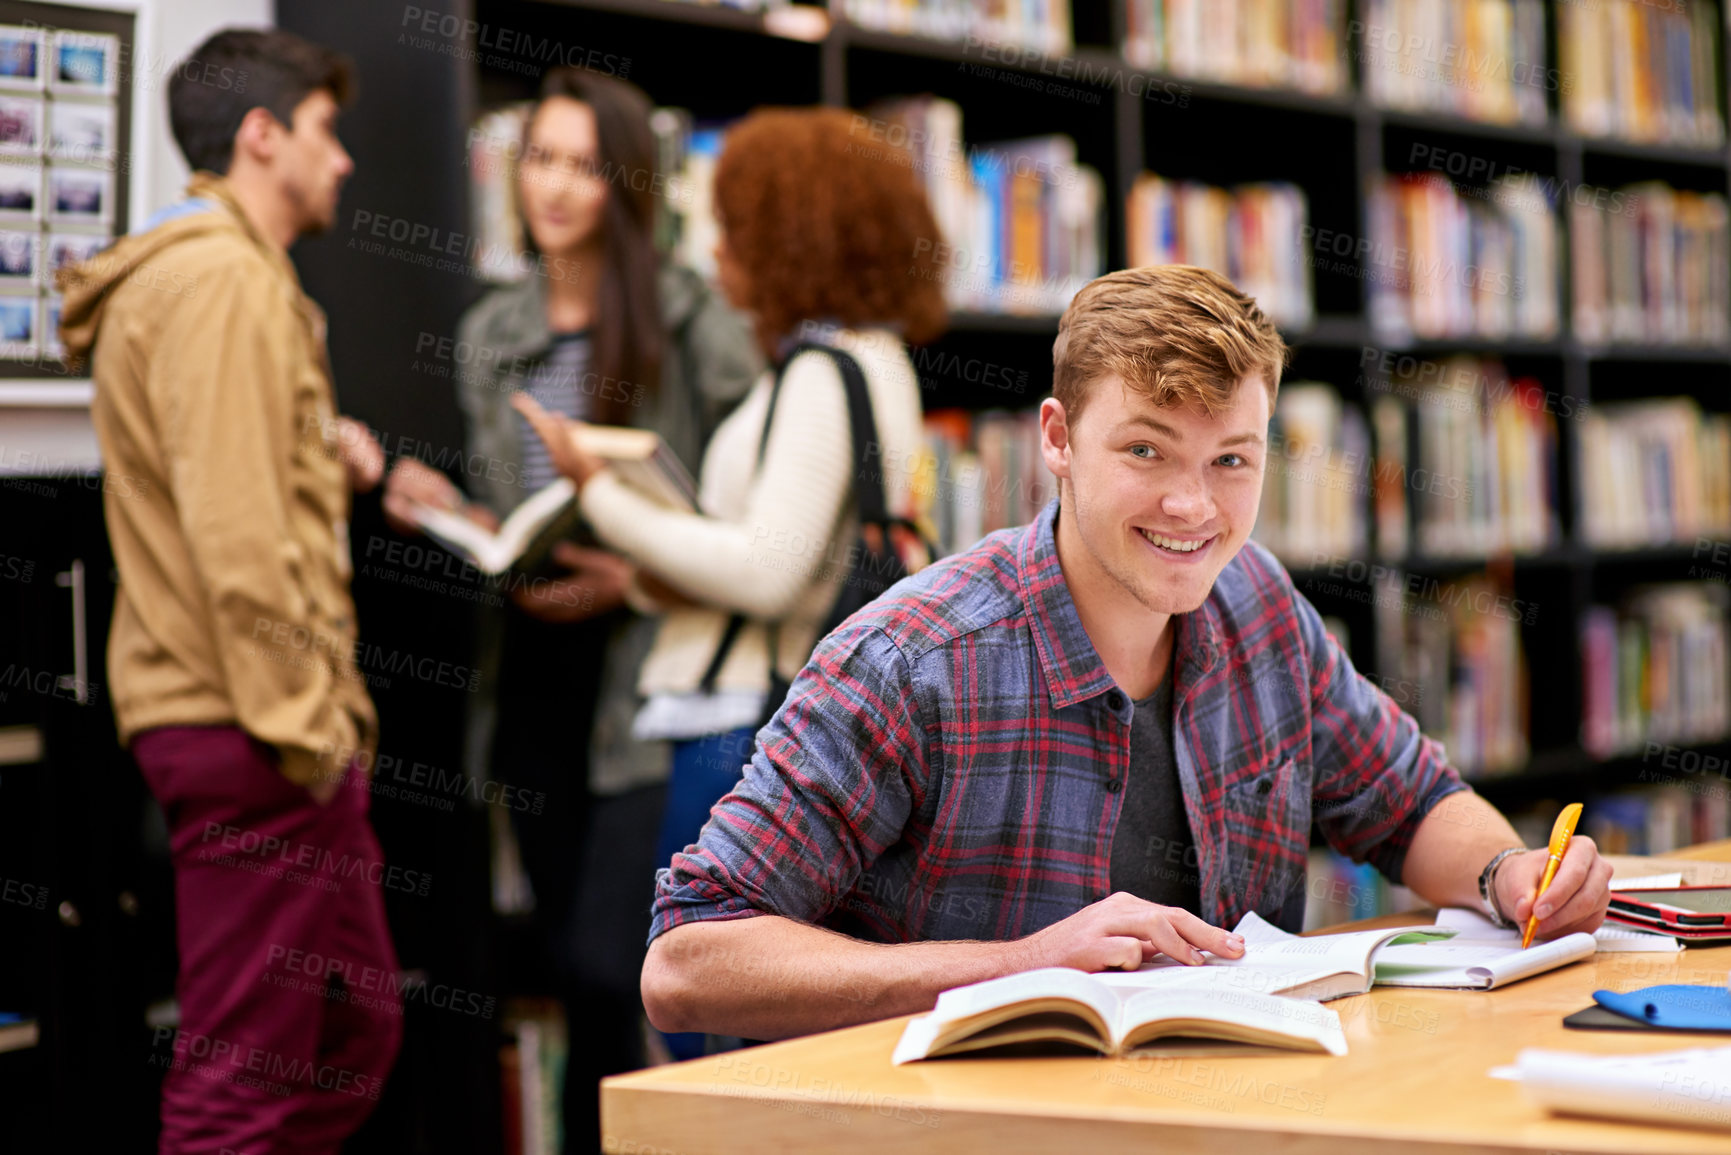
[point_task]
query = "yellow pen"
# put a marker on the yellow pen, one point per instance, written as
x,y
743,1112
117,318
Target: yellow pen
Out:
x,y
1560,835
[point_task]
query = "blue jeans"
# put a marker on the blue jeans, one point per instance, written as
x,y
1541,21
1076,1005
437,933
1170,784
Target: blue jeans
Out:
x,y
704,769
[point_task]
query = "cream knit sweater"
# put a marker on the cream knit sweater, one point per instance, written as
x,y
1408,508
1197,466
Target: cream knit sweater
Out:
x,y
774,546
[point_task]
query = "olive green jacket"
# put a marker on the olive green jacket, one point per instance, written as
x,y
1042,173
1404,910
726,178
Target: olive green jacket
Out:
x,y
710,362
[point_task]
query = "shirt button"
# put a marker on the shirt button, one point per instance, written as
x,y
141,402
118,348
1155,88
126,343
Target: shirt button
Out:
x,y
1113,785
1114,701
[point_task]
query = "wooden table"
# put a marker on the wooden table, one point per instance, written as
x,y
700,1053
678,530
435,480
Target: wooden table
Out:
x,y
1415,1076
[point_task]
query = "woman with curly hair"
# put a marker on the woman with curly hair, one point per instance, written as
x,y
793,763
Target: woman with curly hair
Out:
x,y
826,237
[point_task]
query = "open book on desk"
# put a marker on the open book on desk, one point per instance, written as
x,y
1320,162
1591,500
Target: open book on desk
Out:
x,y
1324,966
1060,1005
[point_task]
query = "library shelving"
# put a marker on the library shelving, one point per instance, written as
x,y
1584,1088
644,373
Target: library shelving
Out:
x,y
1332,144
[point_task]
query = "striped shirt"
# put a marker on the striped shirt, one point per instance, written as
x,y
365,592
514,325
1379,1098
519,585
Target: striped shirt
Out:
x,y
950,764
560,383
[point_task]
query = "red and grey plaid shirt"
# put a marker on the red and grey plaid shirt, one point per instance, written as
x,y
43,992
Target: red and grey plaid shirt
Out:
x,y
950,763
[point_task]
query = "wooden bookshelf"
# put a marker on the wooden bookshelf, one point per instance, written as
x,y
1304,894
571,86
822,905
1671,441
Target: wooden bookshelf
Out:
x,y
1205,130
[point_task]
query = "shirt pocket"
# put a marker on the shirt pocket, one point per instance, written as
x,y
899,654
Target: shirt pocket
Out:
x,y
1268,836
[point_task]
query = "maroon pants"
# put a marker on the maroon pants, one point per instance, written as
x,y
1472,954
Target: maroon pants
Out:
x,y
290,1007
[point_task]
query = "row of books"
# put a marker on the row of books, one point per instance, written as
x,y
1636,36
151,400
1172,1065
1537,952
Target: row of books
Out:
x,y
1446,262
1655,669
1485,476
1023,222
1651,264
1463,465
1253,234
1338,890
1653,820
1454,651
1654,472
1641,70
1315,475
1260,43
1042,25
532,1077
982,472
1481,59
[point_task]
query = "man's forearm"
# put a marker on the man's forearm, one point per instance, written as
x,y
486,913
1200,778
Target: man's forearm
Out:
x,y
769,977
1451,847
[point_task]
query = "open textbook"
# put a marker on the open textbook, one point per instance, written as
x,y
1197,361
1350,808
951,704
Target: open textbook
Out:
x,y
1061,1005
1689,1088
1325,966
524,539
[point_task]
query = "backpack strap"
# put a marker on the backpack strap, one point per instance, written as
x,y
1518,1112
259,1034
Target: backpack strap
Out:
x,y
868,473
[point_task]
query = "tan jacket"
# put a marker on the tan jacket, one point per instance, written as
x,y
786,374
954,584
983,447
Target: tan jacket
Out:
x,y
213,399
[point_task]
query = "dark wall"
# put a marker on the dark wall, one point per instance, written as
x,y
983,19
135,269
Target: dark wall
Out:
x,y
406,133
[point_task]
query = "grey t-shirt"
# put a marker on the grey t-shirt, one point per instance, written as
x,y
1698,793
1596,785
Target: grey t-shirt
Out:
x,y
1153,855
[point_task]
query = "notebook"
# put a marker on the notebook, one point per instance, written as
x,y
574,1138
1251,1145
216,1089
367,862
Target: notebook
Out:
x,y
1609,938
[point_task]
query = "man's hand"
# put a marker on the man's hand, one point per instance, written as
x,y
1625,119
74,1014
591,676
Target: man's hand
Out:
x,y
1576,899
360,454
413,483
1123,932
595,585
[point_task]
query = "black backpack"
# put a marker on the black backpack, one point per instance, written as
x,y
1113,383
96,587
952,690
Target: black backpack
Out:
x,y
879,560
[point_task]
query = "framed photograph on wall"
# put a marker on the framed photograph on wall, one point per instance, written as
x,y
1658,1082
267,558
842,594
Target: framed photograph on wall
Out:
x,y
19,253
84,62
18,326
20,191
69,249
79,196
23,61
78,132
20,125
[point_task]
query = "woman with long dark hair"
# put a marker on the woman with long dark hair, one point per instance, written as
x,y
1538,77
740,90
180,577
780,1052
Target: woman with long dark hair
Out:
x,y
601,330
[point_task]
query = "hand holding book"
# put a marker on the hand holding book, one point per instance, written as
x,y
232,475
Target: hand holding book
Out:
x,y
560,435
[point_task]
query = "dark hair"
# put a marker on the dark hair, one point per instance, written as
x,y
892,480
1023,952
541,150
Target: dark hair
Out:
x,y
238,70
628,339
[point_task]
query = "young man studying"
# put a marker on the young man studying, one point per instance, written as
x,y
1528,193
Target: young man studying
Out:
x,y
1085,741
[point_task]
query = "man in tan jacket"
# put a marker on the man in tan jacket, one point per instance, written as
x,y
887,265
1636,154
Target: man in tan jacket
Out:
x,y
232,653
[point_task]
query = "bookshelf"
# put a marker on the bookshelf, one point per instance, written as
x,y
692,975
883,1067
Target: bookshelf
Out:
x,y
1331,145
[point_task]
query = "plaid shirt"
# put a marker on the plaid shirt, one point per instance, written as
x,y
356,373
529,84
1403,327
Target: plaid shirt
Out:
x,y
950,763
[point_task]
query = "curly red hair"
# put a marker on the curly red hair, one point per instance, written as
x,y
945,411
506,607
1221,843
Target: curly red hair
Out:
x,y
828,225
